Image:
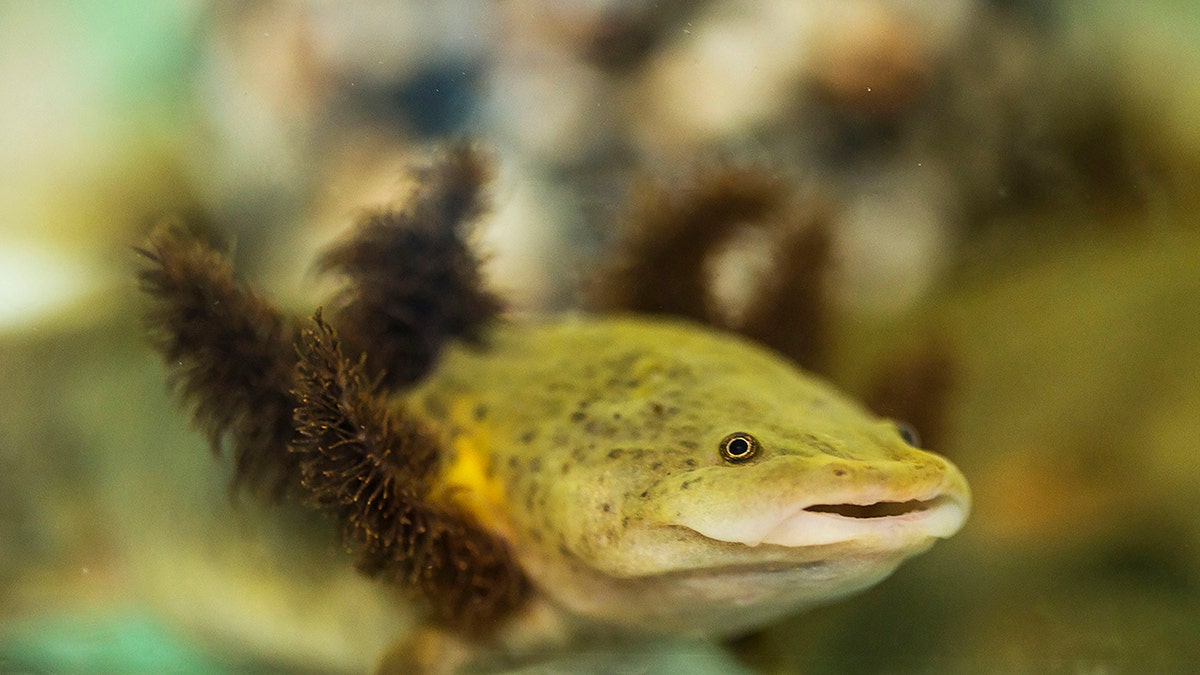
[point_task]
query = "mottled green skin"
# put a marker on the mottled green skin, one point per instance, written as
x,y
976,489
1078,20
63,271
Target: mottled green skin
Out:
x,y
599,433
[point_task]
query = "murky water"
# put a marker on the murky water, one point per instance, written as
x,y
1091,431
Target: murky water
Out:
x,y
1013,186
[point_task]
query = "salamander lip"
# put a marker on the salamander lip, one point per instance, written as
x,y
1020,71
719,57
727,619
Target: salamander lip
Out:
x,y
796,525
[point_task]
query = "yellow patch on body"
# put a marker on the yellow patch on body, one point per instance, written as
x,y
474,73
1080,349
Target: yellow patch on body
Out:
x,y
464,480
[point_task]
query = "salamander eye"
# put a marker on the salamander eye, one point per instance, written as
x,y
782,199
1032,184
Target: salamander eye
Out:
x,y
738,447
909,434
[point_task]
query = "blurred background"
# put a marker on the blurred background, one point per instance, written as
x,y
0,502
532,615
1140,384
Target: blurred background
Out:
x,y
1015,179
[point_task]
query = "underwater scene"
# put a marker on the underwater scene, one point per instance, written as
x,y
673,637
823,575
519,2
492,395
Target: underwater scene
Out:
x,y
620,336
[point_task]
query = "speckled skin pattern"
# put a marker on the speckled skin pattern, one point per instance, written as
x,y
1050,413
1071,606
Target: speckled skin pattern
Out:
x,y
582,441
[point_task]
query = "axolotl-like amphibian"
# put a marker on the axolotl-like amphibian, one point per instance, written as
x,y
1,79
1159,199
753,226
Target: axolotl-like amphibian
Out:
x,y
670,479
534,482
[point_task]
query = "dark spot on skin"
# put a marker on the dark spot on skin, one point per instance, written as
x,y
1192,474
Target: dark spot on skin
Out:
x,y
579,455
823,447
615,453
839,472
566,466
481,412
616,416
436,406
535,464
528,436
831,450
690,445
512,462
577,416
657,408
656,466
690,462
625,521
536,536
607,508
645,494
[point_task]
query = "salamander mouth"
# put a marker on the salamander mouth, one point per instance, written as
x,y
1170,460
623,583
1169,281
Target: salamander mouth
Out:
x,y
798,525
876,510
